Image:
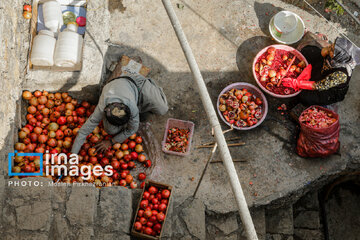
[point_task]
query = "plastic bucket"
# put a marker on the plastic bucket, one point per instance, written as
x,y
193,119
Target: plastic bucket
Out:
x,y
285,22
252,89
283,47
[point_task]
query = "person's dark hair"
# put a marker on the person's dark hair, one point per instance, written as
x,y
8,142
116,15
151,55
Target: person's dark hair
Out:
x,y
117,113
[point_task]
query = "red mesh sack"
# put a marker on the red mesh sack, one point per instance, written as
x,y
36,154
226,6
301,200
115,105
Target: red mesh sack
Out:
x,y
318,142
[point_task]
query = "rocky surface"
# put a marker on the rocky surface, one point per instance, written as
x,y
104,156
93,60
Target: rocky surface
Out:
x,y
57,212
115,209
194,218
280,221
342,210
307,218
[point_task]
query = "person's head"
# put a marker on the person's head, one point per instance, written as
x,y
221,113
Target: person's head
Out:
x,y
341,54
117,113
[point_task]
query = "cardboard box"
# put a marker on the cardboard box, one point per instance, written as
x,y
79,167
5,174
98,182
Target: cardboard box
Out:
x,y
33,33
149,183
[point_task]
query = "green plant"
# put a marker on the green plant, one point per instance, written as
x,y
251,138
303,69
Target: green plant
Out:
x,y
333,5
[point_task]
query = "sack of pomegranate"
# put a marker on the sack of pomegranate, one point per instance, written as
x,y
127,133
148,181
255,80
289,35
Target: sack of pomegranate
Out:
x,y
319,135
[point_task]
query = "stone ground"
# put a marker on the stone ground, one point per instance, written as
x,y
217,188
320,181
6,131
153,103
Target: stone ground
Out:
x,y
225,36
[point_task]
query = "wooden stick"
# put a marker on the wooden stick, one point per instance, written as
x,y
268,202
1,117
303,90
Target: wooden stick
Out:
x,y
287,70
234,160
229,139
206,166
229,145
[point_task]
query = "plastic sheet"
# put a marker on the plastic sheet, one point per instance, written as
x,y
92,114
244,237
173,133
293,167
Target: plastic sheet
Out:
x,y
319,142
152,150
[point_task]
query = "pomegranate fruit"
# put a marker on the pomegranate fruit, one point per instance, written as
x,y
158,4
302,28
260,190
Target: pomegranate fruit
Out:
x,y
128,179
27,95
160,217
33,101
142,176
153,190
132,144
115,164
138,139
31,109
141,158
138,226
42,100
61,120
165,193
42,138
53,126
52,142
144,204
80,111
59,134
162,207
124,146
147,163
138,148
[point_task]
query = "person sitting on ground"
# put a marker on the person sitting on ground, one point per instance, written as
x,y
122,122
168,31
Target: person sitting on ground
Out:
x,y
122,100
332,66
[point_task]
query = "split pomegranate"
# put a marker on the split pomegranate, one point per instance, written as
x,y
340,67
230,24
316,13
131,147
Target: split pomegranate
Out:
x,y
177,140
317,118
240,107
271,67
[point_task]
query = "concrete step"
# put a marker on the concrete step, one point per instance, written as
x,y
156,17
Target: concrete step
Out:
x,y
300,221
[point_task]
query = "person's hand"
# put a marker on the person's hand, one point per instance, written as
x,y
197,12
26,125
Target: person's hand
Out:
x,y
297,84
301,82
103,146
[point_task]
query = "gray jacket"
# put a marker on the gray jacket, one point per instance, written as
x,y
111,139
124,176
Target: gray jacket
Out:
x,y
140,95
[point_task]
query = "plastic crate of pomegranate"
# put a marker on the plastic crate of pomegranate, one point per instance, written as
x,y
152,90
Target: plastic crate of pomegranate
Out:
x,y
152,210
274,63
177,137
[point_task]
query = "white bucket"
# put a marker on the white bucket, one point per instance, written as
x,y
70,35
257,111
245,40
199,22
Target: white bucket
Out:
x,y
42,52
285,22
52,15
68,47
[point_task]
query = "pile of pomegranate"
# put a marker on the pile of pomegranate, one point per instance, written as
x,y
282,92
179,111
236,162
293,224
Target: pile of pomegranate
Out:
x,y
274,65
177,139
53,121
317,118
240,107
151,215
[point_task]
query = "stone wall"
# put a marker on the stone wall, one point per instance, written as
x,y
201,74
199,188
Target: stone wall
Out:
x,y
13,53
62,212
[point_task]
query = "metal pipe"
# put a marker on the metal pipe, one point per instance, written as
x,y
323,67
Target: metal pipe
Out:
x,y
214,122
